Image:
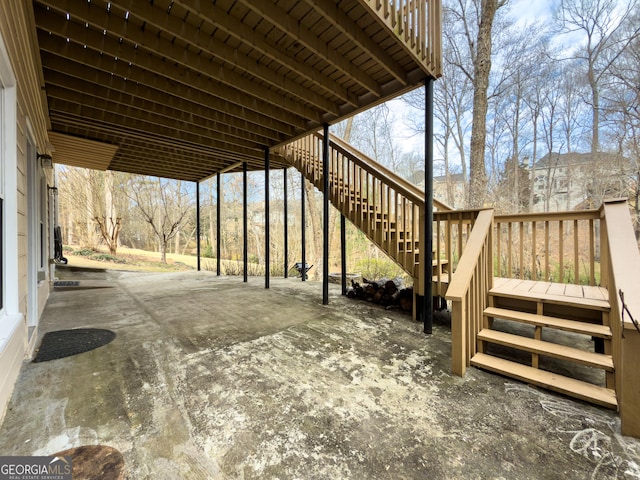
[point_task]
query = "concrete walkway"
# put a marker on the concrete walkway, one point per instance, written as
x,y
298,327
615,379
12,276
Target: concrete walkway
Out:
x,y
210,377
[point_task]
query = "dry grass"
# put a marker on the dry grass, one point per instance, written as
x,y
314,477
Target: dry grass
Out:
x,y
134,259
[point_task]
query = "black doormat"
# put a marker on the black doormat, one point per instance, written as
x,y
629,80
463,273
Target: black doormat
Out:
x,y
64,343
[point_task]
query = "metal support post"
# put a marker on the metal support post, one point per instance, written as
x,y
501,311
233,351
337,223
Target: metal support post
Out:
x,y
426,245
245,242
303,222
286,225
343,252
198,223
218,229
267,271
325,229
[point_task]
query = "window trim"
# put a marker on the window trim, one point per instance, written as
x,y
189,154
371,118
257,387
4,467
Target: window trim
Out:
x,y
9,185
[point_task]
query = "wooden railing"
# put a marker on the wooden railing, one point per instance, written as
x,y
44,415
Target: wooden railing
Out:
x,y
584,247
451,230
418,23
383,205
562,247
620,271
468,291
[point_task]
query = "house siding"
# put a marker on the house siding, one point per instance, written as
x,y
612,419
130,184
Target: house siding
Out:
x,y
17,29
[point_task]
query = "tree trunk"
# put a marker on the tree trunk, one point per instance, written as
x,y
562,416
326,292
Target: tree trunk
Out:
x,y
532,178
315,218
595,138
481,69
212,217
111,220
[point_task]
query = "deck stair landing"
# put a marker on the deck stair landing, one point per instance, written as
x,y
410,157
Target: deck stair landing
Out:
x,y
541,333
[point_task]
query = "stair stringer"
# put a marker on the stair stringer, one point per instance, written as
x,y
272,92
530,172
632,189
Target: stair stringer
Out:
x,y
382,205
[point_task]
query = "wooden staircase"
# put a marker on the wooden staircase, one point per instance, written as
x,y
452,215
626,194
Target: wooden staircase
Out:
x,y
538,332
564,336
384,206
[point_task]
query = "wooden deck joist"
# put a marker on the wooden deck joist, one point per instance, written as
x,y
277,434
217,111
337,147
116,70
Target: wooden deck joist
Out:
x,y
227,78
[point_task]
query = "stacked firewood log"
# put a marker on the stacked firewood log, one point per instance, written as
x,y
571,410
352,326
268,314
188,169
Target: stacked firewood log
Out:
x,y
388,293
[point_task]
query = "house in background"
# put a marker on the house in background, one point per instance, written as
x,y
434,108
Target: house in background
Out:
x,y
569,181
26,193
451,189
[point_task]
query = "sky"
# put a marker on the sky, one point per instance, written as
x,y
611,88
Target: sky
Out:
x,y
523,12
526,11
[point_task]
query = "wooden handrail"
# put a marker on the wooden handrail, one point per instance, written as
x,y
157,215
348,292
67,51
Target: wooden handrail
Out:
x,y
551,216
468,292
553,246
378,205
418,23
459,285
624,260
394,180
388,209
620,270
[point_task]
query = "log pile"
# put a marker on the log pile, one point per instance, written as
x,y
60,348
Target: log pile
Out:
x,y
387,293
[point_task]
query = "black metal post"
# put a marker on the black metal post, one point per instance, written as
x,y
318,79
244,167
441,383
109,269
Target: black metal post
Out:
x,y
267,262
325,229
198,223
303,222
286,225
245,242
343,252
218,228
427,243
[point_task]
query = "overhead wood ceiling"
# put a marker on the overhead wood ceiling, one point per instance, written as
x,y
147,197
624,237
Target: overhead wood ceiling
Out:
x,y
185,89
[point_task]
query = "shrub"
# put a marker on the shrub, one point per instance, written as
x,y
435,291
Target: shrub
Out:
x,y
85,252
105,257
377,268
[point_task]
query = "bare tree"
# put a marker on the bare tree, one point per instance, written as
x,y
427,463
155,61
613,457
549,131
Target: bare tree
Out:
x,y
623,110
601,23
480,48
92,206
453,98
109,222
549,117
161,204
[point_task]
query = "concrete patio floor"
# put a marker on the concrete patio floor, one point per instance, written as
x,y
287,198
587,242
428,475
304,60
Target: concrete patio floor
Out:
x,y
210,377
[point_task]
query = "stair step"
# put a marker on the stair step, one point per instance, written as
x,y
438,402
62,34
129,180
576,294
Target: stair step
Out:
x,y
595,330
558,383
541,347
504,289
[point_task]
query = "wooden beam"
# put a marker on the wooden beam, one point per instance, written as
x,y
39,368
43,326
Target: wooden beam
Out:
x,y
333,14
192,35
133,113
143,127
279,17
65,72
126,41
218,18
53,38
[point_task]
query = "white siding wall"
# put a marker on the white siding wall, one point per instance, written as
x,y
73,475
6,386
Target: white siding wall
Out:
x,y
20,64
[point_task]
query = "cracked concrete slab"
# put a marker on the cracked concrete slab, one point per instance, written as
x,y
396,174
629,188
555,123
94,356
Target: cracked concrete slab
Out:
x,y
210,377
